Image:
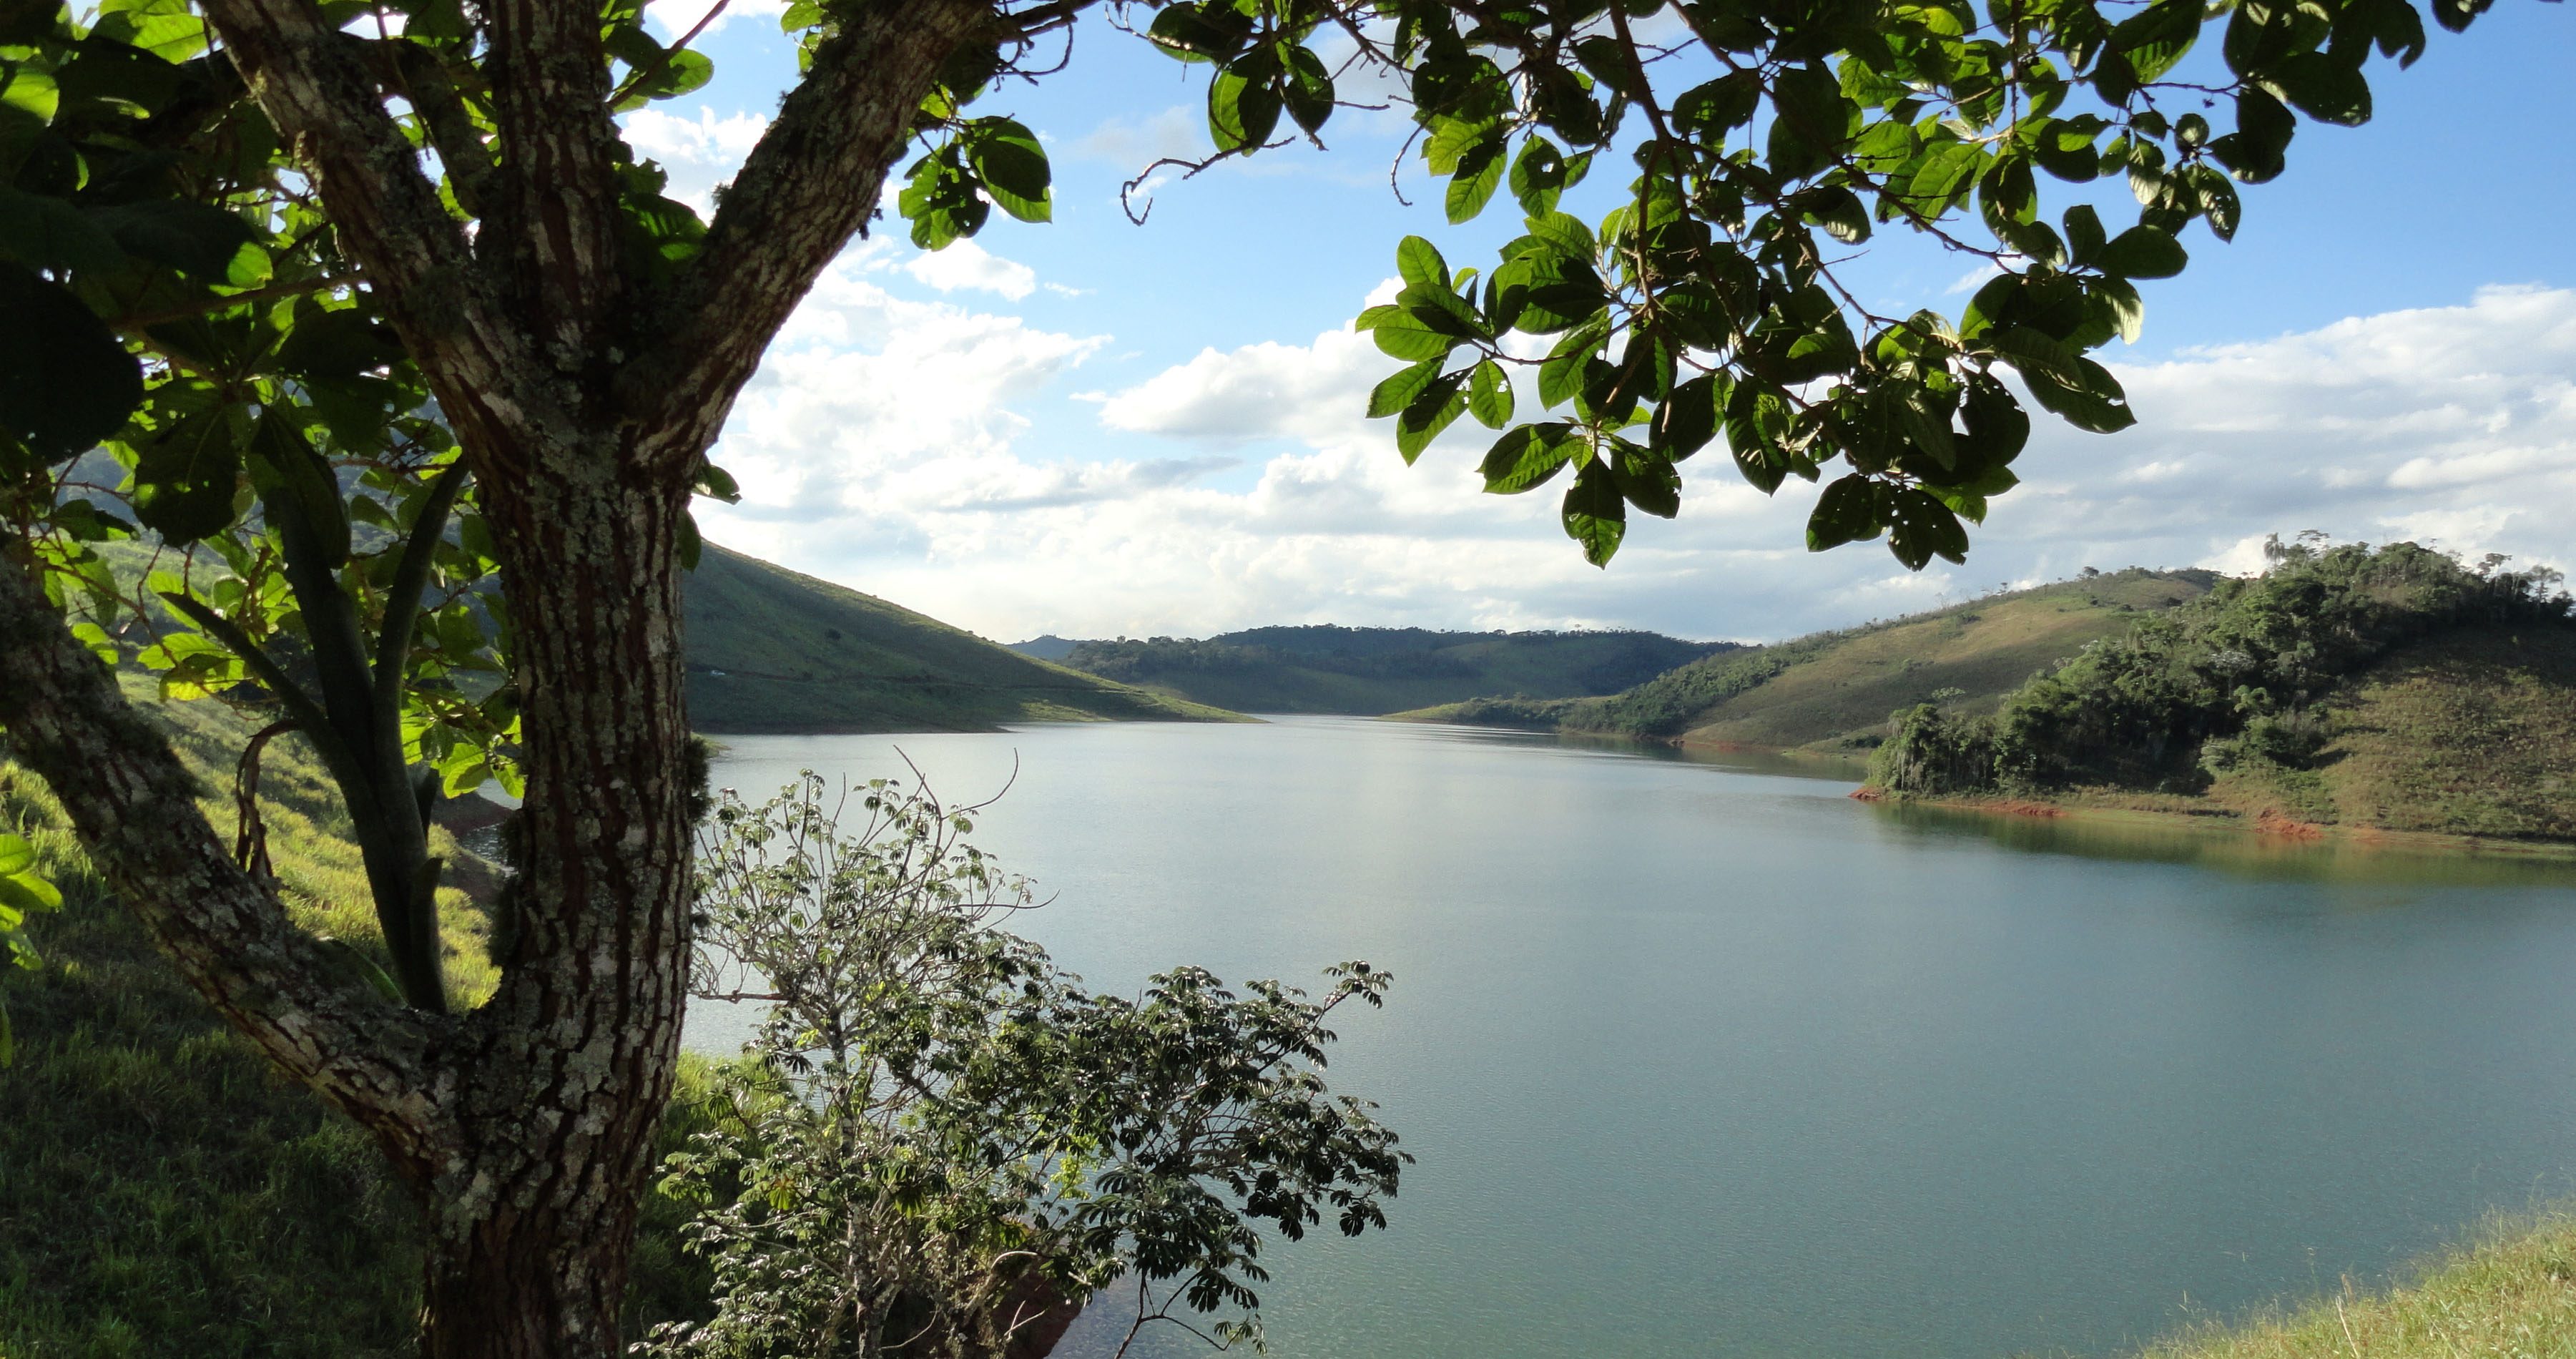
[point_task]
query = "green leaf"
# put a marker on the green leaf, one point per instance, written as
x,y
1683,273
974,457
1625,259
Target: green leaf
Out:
x,y
1538,176
187,478
1544,292
1527,457
16,855
1480,172
1400,334
1595,514
1308,91
1567,234
2255,151
2324,87
2142,252
1921,527
1243,106
49,233
1013,165
1847,512
31,90
1814,121
66,381
1430,412
1687,419
2155,39
1561,376
332,345
2084,234
1200,32
1397,392
2063,381
1418,262
26,896
198,239
1489,395
1648,482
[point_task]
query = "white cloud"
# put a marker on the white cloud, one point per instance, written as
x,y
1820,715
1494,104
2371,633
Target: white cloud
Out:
x,y
965,264
671,18
707,140
885,446
697,154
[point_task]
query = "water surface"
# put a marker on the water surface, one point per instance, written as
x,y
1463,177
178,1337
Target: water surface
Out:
x,y
1706,1059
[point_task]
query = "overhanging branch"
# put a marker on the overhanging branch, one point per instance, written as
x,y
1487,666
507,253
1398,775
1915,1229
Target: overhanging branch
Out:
x,y
134,806
805,190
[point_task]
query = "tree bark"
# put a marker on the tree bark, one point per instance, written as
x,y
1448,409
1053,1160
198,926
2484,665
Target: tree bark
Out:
x,y
573,1056
585,406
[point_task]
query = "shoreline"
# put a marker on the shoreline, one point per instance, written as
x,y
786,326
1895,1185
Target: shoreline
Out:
x,y
2266,825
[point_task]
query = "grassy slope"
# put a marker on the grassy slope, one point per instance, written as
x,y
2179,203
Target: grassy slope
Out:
x,y
1838,688
2511,1297
2468,732
1277,678
800,654
162,1190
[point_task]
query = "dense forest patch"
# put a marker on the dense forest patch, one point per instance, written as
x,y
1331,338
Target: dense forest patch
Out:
x,y
2394,687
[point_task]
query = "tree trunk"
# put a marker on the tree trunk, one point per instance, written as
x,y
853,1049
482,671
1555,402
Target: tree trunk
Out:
x,y
531,1228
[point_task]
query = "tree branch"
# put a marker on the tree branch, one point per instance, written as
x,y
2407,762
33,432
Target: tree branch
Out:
x,y
324,100
134,806
807,188
553,201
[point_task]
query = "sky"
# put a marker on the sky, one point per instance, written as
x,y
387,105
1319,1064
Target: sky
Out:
x,y
1094,428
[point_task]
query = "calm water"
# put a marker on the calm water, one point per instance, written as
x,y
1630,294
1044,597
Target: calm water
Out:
x,y
1710,1060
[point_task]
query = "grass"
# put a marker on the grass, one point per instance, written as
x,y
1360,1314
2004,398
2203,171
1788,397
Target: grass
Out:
x,y
1370,671
2510,1294
1836,689
162,1190
774,651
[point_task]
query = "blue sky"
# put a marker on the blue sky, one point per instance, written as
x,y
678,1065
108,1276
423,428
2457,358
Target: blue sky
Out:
x,y
1094,428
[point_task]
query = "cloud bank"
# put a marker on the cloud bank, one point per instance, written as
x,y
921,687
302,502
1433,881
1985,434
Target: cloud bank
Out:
x,y
887,445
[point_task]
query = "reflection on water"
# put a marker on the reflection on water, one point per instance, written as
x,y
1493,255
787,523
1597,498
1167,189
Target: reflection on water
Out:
x,y
1701,1057
2230,848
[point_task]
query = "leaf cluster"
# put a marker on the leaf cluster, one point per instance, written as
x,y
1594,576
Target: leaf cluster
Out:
x,y
935,1134
1769,142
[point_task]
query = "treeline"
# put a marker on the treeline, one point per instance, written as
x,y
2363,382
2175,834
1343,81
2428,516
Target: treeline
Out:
x,y
2240,677
1161,658
1382,670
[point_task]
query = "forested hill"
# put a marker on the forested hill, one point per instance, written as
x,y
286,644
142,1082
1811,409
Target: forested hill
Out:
x,y
1326,669
774,651
1834,690
2392,688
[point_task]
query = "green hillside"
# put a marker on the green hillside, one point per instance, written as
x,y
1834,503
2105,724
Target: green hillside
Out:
x,y
1834,690
1379,670
2385,689
774,651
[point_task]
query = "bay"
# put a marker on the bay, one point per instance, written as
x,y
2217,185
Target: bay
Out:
x,y
1702,1057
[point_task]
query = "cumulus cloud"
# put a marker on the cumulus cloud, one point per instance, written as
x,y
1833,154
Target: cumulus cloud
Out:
x,y
965,264
884,446
697,154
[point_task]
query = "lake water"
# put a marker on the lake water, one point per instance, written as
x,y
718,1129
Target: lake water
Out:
x,y
1708,1059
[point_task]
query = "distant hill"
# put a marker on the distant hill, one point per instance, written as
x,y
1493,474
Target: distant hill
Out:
x,y
2390,688
1325,669
774,651
1047,648
1833,691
